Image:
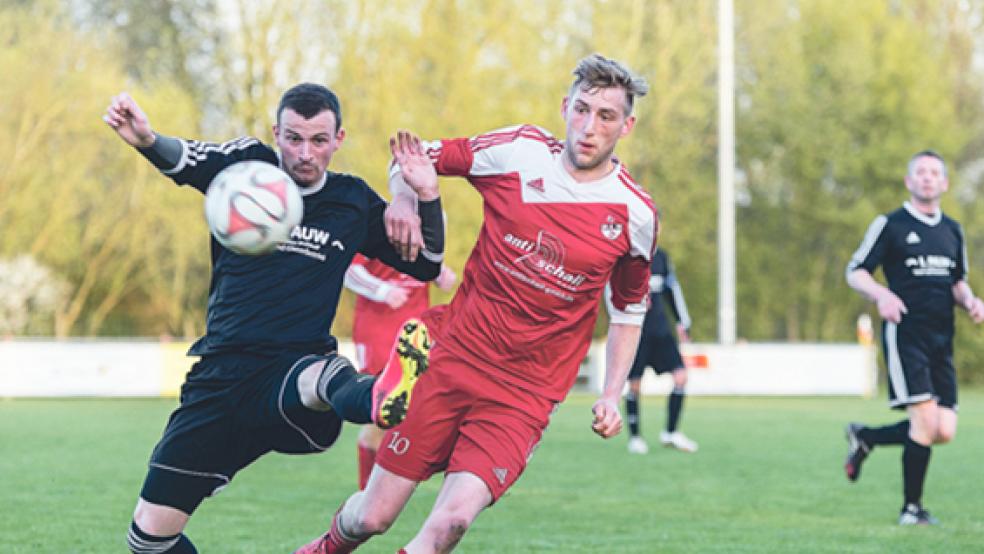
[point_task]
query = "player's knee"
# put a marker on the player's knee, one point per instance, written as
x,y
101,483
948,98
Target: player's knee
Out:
x,y
372,522
158,519
922,436
945,435
307,387
448,529
680,378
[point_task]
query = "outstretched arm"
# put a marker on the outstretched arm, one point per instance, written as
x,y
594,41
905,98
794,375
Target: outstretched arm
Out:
x,y
130,122
623,340
125,117
411,230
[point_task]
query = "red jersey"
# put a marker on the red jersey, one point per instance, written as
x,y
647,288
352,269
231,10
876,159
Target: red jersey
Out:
x,y
530,292
375,324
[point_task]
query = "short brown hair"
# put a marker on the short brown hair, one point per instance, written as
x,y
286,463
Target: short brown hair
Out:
x,y
925,154
597,71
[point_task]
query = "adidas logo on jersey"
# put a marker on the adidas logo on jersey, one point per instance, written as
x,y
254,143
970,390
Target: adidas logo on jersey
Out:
x,y
500,474
536,184
912,238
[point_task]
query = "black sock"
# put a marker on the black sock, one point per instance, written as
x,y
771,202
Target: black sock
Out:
x,y
143,543
915,462
632,413
345,390
673,409
894,433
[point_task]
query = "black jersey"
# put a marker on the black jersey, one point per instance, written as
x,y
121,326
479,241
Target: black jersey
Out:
x,y
287,300
922,258
664,287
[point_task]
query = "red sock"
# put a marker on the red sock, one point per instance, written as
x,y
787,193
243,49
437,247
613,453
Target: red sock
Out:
x,y
367,458
401,551
338,543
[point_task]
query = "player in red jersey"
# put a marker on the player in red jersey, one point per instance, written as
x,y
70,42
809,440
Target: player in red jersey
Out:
x,y
385,300
563,224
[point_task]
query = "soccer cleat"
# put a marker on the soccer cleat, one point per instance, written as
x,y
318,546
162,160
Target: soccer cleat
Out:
x,y
317,546
677,440
914,514
332,542
407,362
637,445
857,451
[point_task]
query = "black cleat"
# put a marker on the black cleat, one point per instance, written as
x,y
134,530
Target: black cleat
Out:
x,y
857,451
914,514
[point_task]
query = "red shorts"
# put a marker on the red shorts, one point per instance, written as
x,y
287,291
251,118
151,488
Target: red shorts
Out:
x,y
374,343
461,419
371,355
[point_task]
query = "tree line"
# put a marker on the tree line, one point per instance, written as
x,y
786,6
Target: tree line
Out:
x,y
832,99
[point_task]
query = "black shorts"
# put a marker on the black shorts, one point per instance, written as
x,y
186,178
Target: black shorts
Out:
x,y
657,351
234,408
919,358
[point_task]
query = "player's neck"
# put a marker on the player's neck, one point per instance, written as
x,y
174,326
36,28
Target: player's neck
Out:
x,y
930,207
590,174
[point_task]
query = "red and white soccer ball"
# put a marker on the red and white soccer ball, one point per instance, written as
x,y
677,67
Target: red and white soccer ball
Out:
x,y
252,206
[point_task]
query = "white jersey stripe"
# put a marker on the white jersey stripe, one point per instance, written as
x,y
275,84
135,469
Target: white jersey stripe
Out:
x,y
193,151
867,243
680,303
964,260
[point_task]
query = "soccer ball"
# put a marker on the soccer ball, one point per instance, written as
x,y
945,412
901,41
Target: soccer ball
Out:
x,y
252,206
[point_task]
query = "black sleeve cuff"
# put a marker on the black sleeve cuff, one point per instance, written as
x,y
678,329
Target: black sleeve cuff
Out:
x,y
432,225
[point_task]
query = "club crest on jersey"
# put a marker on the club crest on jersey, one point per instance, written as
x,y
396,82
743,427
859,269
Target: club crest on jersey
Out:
x,y
536,184
610,229
912,238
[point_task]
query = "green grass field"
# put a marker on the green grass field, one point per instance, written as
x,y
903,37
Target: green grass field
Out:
x,y
767,479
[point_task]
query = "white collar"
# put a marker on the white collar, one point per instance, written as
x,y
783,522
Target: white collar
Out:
x,y
616,169
308,191
931,220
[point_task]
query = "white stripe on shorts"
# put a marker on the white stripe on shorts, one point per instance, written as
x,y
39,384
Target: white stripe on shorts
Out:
x,y
895,372
899,385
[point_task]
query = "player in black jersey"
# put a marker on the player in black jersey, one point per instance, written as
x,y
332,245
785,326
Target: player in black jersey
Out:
x,y
658,349
923,255
268,378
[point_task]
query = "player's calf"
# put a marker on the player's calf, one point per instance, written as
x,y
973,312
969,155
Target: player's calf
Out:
x,y
340,387
342,540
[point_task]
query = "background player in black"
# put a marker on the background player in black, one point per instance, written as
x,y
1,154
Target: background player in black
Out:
x,y
268,377
923,255
658,349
